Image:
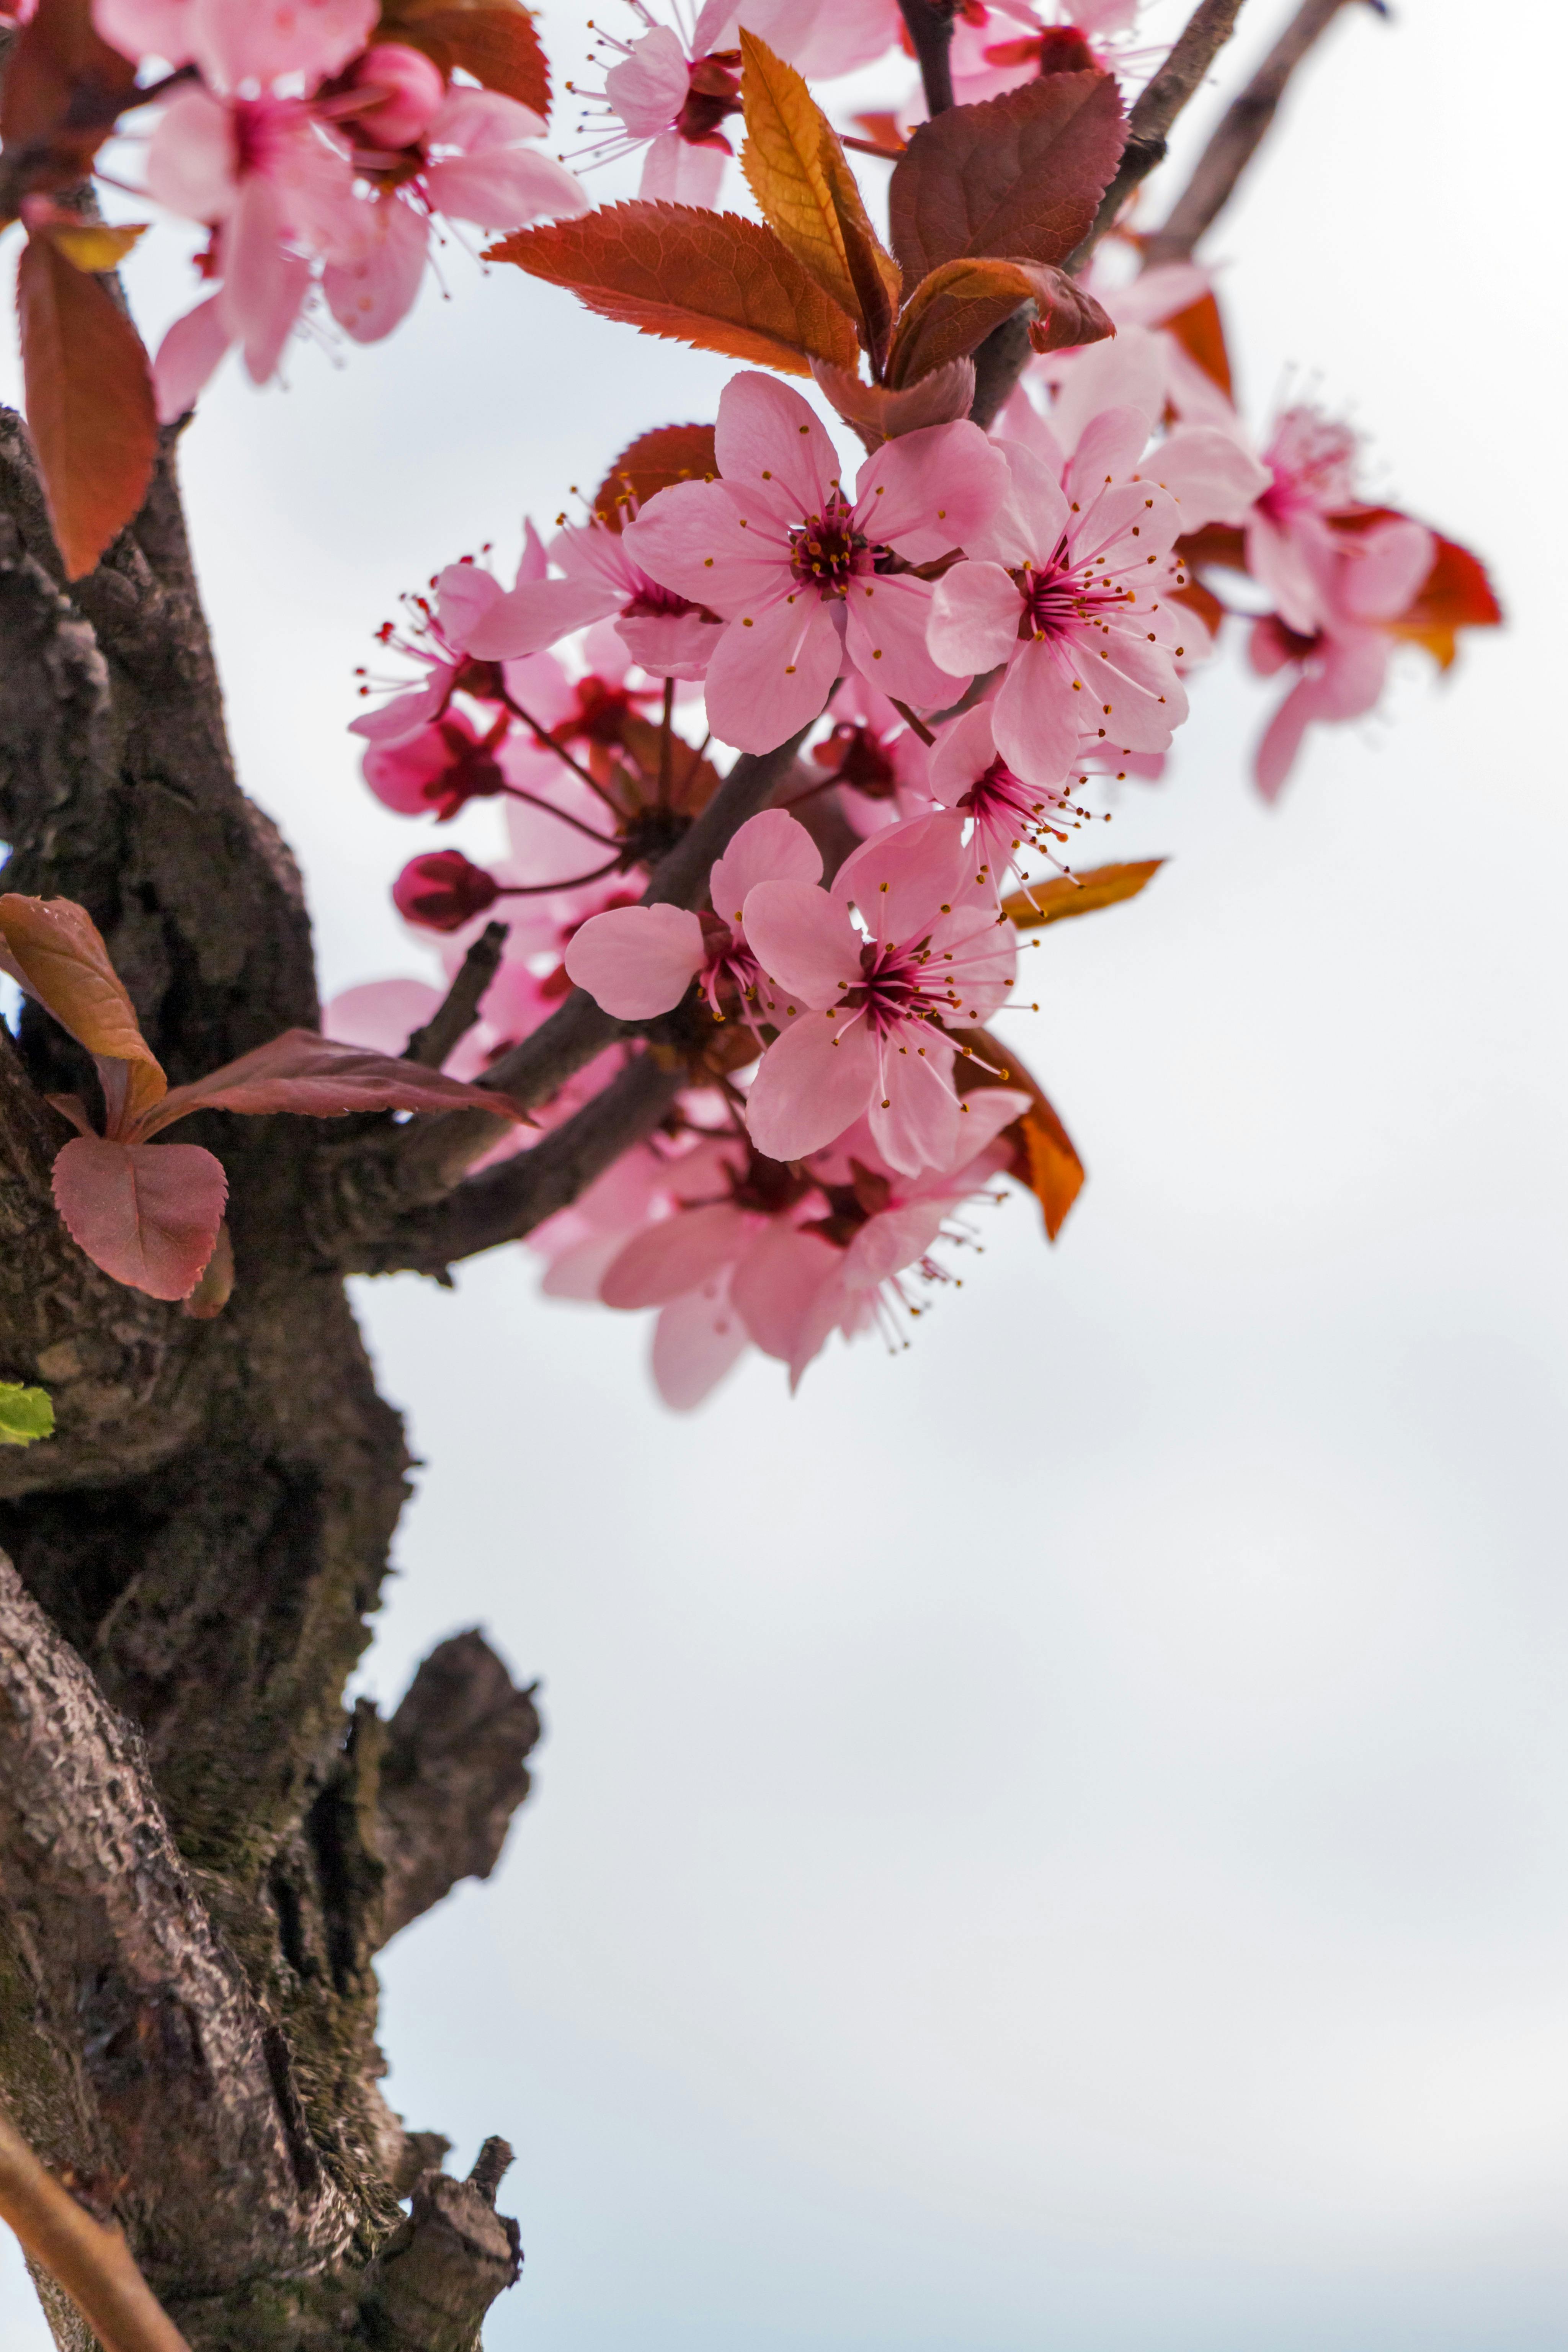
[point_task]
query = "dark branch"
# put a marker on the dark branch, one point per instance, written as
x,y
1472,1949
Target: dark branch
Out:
x,y
453,1773
433,2281
373,1188
503,1204
930,27
1205,33
1241,132
455,1016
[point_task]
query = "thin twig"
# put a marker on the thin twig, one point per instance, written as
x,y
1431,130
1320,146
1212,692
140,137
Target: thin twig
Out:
x,y
452,1020
1202,36
546,742
929,26
91,2263
1242,128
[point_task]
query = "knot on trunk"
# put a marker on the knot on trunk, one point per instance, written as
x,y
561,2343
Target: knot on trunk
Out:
x,y
438,2275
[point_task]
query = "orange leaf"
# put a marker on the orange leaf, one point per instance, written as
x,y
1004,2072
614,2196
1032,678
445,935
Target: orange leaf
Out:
x,y
707,279
1200,330
63,89
53,950
89,402
1044,1155
494,40
669,454
1019,176
954,309
93,245
797,171
1080,893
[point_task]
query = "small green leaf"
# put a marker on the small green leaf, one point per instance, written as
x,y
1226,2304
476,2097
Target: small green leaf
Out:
x,y
26,1414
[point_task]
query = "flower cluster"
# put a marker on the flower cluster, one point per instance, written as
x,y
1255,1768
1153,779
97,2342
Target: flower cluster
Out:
x,y
318,158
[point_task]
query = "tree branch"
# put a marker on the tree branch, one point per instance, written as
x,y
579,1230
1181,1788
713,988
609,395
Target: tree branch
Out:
x,y
456,1015
453,1773
370,1188
1241,132
92,2263
929,27
433,2281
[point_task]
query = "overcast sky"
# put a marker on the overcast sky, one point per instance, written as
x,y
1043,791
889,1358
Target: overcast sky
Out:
x,y
1054,1842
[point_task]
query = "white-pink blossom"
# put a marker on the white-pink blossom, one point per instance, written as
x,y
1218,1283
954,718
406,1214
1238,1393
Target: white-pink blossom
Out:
x,y
664,633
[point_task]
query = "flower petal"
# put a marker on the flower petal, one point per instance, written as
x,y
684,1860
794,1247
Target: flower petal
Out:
x,y
772,672
764,429
675,1255
637,962
804,939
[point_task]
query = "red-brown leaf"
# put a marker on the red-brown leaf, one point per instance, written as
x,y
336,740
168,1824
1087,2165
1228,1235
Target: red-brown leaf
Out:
x,y
707,278
63,89
323,1078
1045,1157
1200,330
495,41
148,1215
653,462
1455,594
1019,176
89,402
53,950
954,309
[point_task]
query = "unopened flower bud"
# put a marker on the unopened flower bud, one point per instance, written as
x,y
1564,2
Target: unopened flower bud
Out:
x,y
442,890
402,91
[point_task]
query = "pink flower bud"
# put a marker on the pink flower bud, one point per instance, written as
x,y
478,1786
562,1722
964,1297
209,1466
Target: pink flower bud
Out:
x,y
401,93
435,771
442,890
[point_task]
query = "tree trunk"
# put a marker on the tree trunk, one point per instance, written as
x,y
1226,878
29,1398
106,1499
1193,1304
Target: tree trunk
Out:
x,y
195,1853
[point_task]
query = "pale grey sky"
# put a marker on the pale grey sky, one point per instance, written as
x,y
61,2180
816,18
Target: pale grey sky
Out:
x,y
1054,1842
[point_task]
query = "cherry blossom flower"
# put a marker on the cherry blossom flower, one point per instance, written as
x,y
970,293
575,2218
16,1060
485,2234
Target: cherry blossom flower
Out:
x,y
1008,817
664,633
1363,582
670,92
437,638
866,973
1290,538
237,41
1072,593
1002,45
638,961
798,572
478,160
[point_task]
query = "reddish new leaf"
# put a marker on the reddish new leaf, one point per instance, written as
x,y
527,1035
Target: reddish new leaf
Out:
x,y
1200,330
53,950
63,89
324,1078
148,1215
878,413
1067,895
89,402
655,460
1045,1157
1019,176
707,279
494,40
954,309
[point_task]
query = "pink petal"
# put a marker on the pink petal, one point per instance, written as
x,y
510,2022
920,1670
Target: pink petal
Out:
x,y
262,40
1037,717
885,1244
1212,476
679,645
886,624
696,1341
777,1283
465,592
931,490
383,1013
674,172
1386,568
765,428
1121,378
648,89
916,1121
504,187
691,538
264,284
187,356
811,1082
975,613
148,1215
637,962
902,878
1282,739
771,847
964,749
679,1255
371,294
192,160
1031,520
472,121
804,939
772,672
537,614
405,714
141,28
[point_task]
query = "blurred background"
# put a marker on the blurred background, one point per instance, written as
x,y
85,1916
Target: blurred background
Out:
x,y
1055,1842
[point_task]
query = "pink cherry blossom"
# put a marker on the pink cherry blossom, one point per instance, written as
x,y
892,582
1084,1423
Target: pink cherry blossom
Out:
x,y
999,46
670,94
1072,595
479,162
797,570
867,973
664,633
1364,581
639,961
437,638
1009,818
1289,537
